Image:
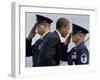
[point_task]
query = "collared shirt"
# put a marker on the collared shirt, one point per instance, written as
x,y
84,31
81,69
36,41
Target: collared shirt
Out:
x,y
61,38
44,34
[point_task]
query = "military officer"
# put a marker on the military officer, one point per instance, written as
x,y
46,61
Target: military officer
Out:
x,y
78,55
42,26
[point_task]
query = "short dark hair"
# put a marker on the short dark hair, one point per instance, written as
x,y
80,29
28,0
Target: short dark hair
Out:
x,y
61,22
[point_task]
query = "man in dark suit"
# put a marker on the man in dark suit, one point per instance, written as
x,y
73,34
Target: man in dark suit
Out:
x,y
53,50
78,55
42,26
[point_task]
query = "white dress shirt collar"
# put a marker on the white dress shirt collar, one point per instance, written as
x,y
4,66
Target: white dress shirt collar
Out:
x,y
61,38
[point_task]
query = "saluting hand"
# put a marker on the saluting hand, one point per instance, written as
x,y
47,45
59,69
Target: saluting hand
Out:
x,y
68,39
32,32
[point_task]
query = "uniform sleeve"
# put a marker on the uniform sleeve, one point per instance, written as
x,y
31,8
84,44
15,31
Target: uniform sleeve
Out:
x,y
28,48
84,57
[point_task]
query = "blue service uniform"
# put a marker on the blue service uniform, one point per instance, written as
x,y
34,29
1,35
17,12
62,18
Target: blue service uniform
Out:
x,y
36,50
79,55
33,50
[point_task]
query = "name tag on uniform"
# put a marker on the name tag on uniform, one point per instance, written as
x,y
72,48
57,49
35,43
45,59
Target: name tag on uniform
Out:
x,y
74,56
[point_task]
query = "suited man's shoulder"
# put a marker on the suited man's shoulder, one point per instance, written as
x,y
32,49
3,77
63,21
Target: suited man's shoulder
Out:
x,y
55,35
51,35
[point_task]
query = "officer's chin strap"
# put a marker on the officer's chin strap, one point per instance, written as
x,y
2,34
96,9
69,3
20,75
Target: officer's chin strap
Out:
x,y
86,40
